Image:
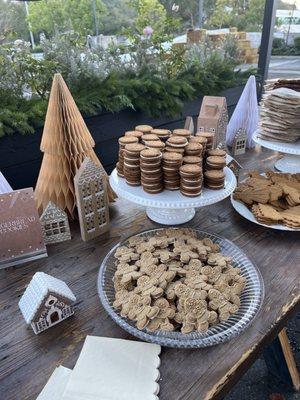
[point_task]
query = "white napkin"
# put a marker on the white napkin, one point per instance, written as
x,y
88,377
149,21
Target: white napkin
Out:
x,y
56,384
114,369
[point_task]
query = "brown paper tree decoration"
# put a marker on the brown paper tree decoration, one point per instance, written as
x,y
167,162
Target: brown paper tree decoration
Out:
x,y
65,143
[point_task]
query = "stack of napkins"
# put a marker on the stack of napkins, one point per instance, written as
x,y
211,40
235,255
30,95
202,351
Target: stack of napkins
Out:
x,y
110,369
280,115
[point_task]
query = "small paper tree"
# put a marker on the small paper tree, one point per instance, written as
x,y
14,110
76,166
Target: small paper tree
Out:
x,y
65,143
4,185
245,115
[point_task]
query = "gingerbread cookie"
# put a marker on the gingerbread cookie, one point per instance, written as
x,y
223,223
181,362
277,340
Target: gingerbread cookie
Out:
x,y
175,281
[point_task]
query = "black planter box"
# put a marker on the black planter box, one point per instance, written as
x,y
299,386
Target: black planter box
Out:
x,y
20,156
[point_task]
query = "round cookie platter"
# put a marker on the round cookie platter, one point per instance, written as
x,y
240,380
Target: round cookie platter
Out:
x,y
171,207
251,299
241,209
244,211
290,162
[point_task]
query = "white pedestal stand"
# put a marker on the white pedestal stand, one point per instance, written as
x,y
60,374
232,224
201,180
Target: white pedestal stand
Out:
x,y
290,163
171,207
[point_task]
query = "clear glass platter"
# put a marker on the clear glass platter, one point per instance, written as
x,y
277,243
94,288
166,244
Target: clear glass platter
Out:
x,y
251,300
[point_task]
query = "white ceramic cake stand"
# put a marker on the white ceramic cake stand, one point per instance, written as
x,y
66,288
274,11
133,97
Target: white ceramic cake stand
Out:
x,y
171,207
290,162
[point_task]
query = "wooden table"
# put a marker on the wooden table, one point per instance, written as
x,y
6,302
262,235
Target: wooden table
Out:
x,y
26,360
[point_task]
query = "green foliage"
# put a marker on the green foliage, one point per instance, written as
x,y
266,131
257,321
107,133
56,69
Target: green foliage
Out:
x,y
246,15
20,115
188,11
154,96
116,16
149,13
12,21
148,75
20,71
278,43
57,16
297,43
281,48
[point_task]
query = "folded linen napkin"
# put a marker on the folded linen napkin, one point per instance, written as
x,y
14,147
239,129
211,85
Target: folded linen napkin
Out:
x,y
56,384
114,369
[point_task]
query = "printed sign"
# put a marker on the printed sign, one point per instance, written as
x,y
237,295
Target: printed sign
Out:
x,y
21,237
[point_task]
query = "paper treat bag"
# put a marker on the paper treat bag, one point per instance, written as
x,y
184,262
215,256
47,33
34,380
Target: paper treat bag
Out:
x,y
66,142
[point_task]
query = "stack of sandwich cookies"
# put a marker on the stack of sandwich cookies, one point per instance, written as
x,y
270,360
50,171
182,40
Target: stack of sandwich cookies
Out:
x,y
155,144
136,134
214,179
215,163
176,144
210,136
217,152
201,140
182,132
151,171
171,164
123,141
192,160
193,149
132,169
144,128
163,134
149,137
191,180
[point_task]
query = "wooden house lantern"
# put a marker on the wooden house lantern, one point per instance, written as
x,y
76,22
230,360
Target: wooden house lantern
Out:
x,y
92,199
46,302
239,142
213,117
55,224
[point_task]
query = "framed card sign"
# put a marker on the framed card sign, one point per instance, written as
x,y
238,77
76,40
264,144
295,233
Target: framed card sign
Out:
x,y
21,237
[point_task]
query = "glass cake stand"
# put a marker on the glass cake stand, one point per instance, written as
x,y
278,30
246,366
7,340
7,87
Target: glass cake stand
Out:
x,y
171,207
290,162
251,300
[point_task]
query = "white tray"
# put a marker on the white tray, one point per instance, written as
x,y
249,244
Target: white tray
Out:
x,y
246,213
171,207
291,161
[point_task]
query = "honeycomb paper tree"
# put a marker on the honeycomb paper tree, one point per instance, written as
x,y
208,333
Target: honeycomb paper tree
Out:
x,y
65,143
246,115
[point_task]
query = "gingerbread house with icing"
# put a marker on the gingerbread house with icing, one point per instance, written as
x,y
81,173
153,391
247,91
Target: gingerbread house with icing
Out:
x,y
46,302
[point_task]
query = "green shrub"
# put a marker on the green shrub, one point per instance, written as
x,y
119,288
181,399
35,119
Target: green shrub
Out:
x,y
145,75
278,43
297,43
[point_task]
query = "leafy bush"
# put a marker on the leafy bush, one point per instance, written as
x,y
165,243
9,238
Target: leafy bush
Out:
x,y
278,43
146,74
281,48
297,43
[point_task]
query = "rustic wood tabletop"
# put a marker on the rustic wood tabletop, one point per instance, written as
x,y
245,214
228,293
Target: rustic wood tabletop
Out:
x,y
27,360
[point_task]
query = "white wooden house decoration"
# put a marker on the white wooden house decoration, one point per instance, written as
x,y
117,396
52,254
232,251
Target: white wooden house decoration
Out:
x,y
213,117
55,224
92,199
239,142
46,302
